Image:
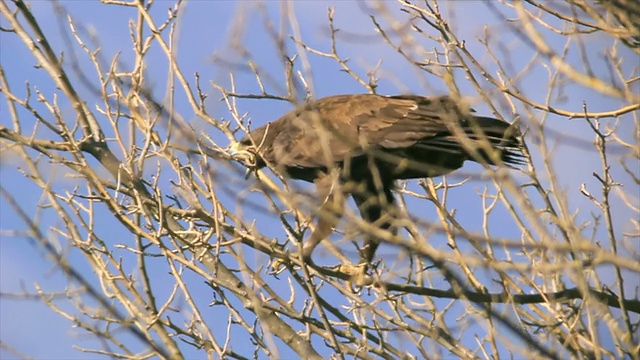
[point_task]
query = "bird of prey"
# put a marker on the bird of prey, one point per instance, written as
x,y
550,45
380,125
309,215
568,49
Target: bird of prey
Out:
x,y
359,145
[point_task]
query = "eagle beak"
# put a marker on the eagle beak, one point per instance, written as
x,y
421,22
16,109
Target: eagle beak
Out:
x,y
242,155
234,149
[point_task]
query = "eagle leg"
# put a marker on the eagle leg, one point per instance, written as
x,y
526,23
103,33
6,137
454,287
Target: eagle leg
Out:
x,y
374,206
328,215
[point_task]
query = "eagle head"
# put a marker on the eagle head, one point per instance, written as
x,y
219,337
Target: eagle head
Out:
x,y
247,152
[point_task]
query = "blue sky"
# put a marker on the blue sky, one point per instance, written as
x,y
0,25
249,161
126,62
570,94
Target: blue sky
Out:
x,y
204,30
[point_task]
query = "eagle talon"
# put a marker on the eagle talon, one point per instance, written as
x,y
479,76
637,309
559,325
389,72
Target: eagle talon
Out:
x,y
358,273
277,267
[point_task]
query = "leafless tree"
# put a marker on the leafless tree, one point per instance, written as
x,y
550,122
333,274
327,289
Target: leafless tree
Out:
x,y
191,258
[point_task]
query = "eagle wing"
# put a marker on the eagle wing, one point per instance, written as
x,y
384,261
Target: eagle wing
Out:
x,y
424,130
333,129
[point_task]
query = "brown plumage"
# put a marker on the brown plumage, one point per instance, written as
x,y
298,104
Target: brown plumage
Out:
x,y
361,144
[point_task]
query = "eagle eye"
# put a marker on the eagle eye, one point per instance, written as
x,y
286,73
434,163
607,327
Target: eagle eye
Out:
x,y
246,143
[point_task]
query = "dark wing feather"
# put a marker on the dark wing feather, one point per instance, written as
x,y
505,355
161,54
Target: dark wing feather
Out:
x,y
435,125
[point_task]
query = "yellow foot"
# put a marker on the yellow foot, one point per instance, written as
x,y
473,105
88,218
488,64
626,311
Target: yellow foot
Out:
x,y
277,266
358,273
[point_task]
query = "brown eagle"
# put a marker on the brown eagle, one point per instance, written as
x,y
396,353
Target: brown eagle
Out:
x,y
359,145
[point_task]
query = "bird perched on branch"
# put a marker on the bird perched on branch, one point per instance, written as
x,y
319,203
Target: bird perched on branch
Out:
x,y
359,145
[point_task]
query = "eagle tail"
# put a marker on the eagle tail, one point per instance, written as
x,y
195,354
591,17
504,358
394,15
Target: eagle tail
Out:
x,y
502,136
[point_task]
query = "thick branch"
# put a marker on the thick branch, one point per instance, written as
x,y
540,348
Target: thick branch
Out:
x,y
564,295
